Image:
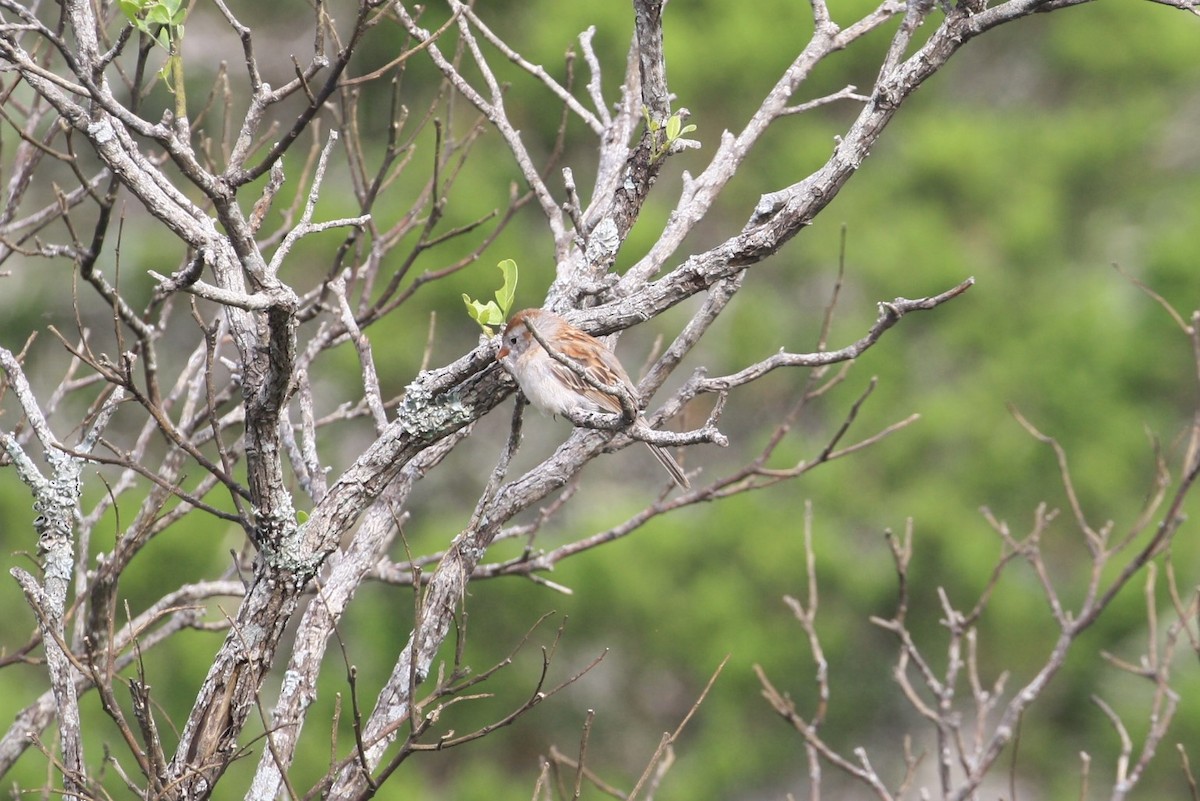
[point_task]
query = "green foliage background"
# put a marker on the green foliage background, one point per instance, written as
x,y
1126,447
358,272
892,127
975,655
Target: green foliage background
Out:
x,y
1045,153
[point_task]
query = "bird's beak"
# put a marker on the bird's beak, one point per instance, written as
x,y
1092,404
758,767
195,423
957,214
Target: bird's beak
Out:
x,y
502,354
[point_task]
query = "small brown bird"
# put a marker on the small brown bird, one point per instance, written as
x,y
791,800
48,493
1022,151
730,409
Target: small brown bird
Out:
x,y
553,387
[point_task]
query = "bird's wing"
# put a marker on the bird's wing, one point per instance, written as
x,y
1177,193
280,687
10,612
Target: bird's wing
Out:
x,y
609,372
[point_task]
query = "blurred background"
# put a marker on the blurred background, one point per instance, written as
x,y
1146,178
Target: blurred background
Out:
x,y
1046,153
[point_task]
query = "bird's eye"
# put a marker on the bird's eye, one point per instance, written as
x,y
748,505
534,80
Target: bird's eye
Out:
x,y
512,339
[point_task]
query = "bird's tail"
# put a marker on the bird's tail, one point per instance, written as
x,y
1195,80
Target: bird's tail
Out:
x,y
672,466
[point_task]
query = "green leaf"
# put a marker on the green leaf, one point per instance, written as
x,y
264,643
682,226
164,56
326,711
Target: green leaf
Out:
x,y
495,312
506,293
674,123
160,19
651,123
486,314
